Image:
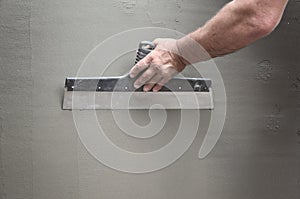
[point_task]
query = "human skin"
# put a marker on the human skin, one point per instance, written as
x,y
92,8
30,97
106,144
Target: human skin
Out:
x,y
238,24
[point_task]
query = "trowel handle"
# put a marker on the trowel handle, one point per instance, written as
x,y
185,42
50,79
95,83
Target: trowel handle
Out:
x,y
145,47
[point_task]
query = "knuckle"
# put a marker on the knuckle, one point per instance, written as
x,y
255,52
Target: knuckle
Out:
x,y
147,59
139,82
142,79
145,77
165,73
156,67
139,66
153,81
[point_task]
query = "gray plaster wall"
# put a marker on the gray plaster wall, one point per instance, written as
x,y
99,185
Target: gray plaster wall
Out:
x,y
41,156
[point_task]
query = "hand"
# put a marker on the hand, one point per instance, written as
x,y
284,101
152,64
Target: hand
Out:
x,y
159,66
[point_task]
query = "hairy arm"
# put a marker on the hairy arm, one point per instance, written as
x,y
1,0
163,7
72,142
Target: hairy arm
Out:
x,y
238,24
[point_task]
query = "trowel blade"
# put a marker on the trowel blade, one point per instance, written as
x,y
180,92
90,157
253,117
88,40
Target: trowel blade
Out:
x,y
119,93
91,100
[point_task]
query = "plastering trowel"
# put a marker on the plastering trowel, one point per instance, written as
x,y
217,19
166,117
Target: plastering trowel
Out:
x,y
119,93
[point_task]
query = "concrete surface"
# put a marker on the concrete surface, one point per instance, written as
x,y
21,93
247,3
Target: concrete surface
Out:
x,y
41,157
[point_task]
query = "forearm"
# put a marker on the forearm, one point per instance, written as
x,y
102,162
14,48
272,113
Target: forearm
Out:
x,y
238,24
235,26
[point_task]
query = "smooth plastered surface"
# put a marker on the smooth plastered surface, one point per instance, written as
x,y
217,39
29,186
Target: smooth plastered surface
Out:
x,y
41,156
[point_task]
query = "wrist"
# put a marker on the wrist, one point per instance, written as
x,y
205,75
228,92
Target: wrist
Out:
x,y
191,51
179,62
180,56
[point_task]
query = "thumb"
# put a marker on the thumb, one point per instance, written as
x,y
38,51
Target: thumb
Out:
x,y
157,41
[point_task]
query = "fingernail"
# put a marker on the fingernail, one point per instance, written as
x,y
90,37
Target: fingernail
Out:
x,y
131,75
136,86
147,88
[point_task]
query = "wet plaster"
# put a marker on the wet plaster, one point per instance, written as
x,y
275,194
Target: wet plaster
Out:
x,y
41,156
15,101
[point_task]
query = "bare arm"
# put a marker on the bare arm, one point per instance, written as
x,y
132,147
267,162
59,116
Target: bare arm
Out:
x,y
236,25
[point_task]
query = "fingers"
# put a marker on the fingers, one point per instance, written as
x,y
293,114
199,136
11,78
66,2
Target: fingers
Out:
x,y
157,68
152,82
145,77
140,66
157,87
160,84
